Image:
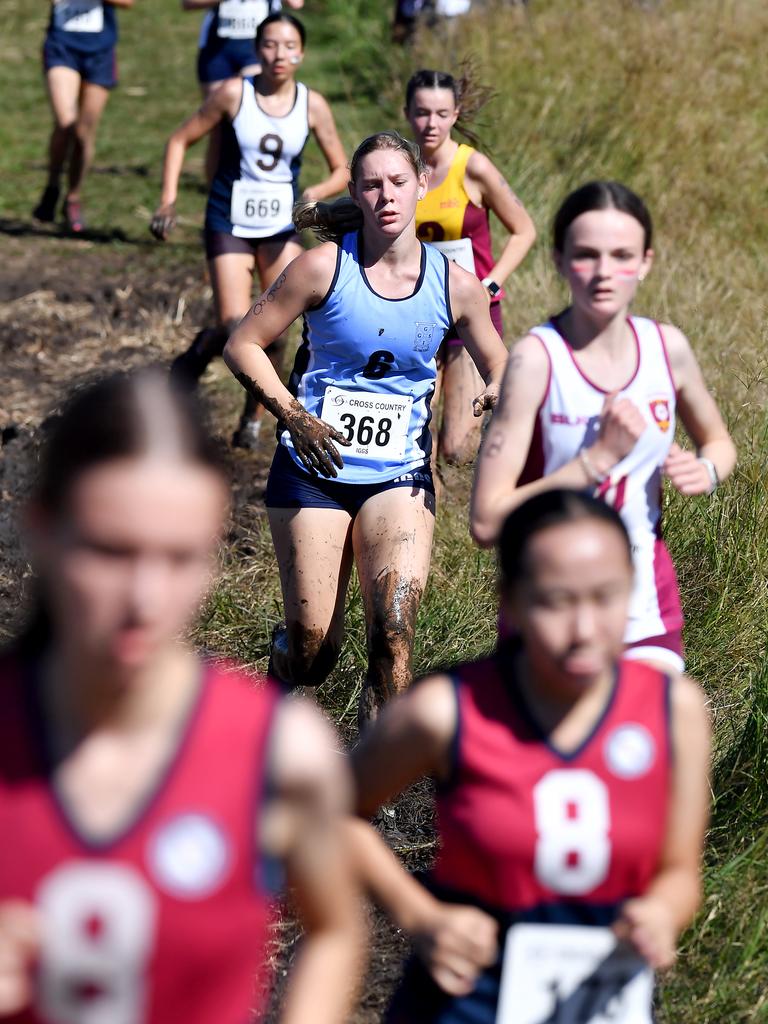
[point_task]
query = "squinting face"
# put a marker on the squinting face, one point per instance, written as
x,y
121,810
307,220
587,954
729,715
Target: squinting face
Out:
x,y
431,114
127,563
387,189
280,49
603,260
571,610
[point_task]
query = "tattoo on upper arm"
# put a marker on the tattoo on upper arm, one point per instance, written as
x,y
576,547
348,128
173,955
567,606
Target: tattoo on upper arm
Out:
x,y
505,185
494,443
269,295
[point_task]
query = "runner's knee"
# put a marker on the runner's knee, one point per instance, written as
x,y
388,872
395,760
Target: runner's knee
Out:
x,y
308,656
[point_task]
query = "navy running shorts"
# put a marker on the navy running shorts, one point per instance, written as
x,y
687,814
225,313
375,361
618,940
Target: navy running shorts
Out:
x,y
289,486
98,68
221,243
215,63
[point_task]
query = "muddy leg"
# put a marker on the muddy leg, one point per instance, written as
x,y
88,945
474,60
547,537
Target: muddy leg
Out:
x,y
392,539
314,557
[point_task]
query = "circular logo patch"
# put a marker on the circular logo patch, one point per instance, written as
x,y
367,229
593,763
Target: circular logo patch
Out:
x,y
189,856
630,751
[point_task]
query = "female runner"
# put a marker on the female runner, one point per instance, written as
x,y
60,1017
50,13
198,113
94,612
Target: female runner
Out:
x,y
80,69
226,49
248,222
376,305
572,783
151,797
464,188
589,400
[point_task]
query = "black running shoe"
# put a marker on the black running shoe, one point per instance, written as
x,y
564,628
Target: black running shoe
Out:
x,y
189,367
45,210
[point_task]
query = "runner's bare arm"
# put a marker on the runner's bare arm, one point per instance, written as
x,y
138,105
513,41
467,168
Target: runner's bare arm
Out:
x,y
498,197
301,285
507,442
19,950
223,102
701,418
411,738
302,826
324,128
455,942
469,308
654,921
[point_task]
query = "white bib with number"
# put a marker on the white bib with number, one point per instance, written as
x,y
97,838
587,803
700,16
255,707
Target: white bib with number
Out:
x,y
571,974
239,19
262,208
79,15
458,250
376,424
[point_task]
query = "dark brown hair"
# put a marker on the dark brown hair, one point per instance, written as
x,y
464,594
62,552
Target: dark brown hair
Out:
x,y
469,96
601,195
542,511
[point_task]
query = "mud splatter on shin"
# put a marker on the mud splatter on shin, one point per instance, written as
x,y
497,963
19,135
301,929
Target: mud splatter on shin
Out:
x,y
303,655
395,605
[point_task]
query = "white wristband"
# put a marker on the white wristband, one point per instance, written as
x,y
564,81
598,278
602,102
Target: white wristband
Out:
x,y
711,468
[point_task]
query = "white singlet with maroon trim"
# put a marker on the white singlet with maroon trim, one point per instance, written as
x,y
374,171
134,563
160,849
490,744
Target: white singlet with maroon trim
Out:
x,y
569,420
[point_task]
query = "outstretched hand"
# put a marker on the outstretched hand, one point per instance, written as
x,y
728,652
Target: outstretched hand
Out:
x,y
686,472
163,221
621,426
313,442
647,924
487,400
456,945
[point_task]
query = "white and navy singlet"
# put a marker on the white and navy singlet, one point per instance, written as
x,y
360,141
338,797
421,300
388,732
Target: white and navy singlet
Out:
x,y
86,26
367,366
256,183
235,19
569,419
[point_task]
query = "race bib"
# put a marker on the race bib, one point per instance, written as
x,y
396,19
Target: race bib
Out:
x,y
376,424
239,19
79,15
458,250
569,974
264,208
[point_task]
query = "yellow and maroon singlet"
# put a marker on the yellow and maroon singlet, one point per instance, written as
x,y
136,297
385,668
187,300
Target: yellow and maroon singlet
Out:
x,y
446,217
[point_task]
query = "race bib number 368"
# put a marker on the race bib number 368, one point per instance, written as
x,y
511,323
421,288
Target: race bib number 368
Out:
x,y
376,424
567,974
79,15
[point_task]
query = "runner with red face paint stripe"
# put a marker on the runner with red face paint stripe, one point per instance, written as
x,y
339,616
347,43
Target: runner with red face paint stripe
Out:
x,y
590,400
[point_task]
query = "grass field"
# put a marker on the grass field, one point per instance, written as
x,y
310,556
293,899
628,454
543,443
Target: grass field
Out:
x,y
671,100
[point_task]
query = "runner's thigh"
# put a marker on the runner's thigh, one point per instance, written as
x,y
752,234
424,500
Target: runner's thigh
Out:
x,y
313,551
232,282
64,93
392,539
273,257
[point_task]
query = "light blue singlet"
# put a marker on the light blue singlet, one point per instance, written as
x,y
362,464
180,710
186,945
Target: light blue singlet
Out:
x,y
367,366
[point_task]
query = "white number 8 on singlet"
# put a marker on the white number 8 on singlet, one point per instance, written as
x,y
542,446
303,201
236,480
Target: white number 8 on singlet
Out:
x,y
98,939
573,848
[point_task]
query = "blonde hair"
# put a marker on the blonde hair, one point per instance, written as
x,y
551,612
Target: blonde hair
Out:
x,y
331,221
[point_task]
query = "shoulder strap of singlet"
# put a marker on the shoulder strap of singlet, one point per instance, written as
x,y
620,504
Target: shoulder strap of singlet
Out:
x,y
455,176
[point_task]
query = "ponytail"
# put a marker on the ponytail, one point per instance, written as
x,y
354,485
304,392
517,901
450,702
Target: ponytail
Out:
x,y
329,221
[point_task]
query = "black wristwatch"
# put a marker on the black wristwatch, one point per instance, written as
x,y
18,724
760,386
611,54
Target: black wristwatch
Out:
x,y
490,285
